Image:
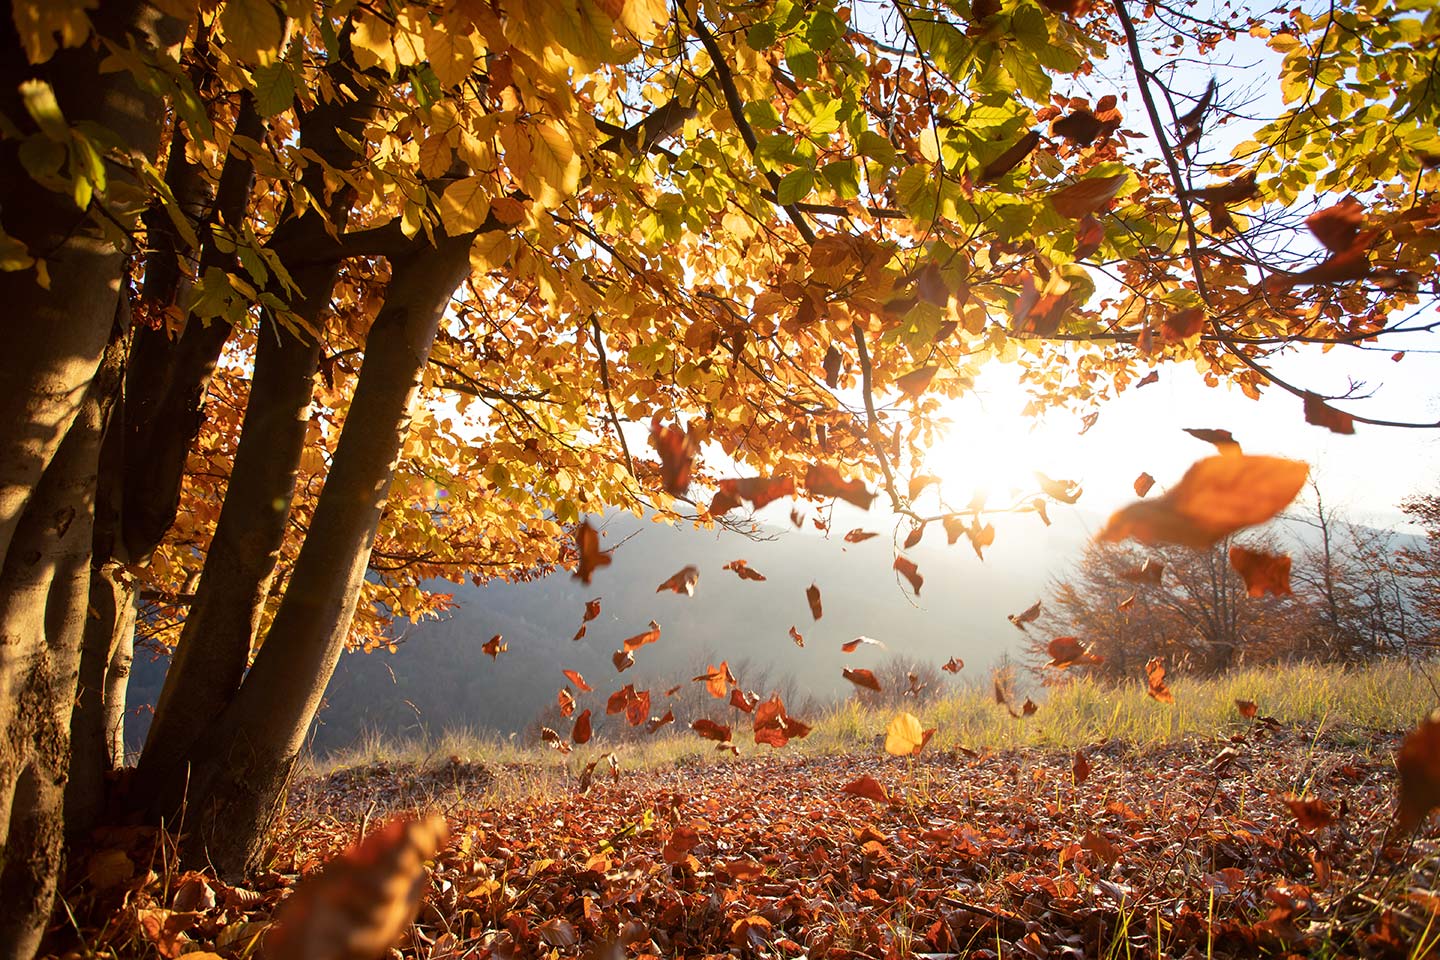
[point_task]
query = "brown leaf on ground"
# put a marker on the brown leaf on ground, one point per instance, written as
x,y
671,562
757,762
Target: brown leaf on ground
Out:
x,y
868,788
1311,814
360,903
1080,769
1216,497
1262,572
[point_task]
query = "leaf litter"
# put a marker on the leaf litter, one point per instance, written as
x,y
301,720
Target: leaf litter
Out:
x,y
1274,841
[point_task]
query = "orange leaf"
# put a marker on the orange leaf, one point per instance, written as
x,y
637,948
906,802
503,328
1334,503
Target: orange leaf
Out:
x,y
1247,708
953,665
657,722
1080,769
1011,158
1262,572
868,788
1183,325
677,456
1321,414
623,660
859,536
1143,483
918,484
1155,681
1086,196
1216,497
592,610
1310,814
1151,571
1419,765
772,725
824,480
743,570
1222,439
711,730
812,596
637,708
494,647
909,571
683,581
574,677
587,547
1069,651
862,678
1081,127
566,702
850,646
681,841
758,490
631,644
916,382
795,635
1030,615
1337,227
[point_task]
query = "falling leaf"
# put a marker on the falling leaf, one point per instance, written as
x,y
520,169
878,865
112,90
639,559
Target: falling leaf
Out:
x,y
795,635
743,570
587,546
657,722
850,646
916,687
916,382
1222,439
1143,483
360,903
1089,235
494,647
637,708
773,726
1321,414
1011,158
1002,695
812,597
1080,769
1029,615
1235,191
623,660
1262,572
580,634
1152,377
618,699
1338,227
711,730
1192,117
1418,763
634,643
566,702
759,491
1216,497
953,665
592,610
859,535
1069,651
574,677
904,737
832,367
1086,196
683,581
717,680
1080,127
1065,491
862,678
1155,681
1151,571
1314,814
1247,708
677,451
824,480
553,740
1181,326
868,788
907,569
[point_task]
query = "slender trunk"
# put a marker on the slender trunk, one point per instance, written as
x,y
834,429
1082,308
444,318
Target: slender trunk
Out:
x,y
240,769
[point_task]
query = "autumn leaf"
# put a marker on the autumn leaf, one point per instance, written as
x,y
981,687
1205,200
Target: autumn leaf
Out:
x,y
711,730
1223,440
580,634
616,703
574,677
859,536
953,665
867,788
587,547
1011,158
773,726
919,483
641,639
904,737
916,382
907,569
717,680
1338,227
1151,572
1152,377
1216,497
1155,684
812,597
1029,615
1321,414
360,903
1126,604
1069,652
566,702
1080,127
657,722
1247,708
743,570
1086,196
678,845
850,646
913,537
494,647
623,660
1192,117
1418,763
1143,483
1065,491
1102,848
682,581
1179,327
553,740
1313,814
1235,191
1080,769
796,636
677,451
862,678
1262,572
637,708
823,480
832,367
759,491
1028,708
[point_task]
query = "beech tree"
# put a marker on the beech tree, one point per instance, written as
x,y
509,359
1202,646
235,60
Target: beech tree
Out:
x,y
311,303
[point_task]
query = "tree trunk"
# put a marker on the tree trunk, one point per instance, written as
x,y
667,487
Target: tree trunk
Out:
x,y
240,769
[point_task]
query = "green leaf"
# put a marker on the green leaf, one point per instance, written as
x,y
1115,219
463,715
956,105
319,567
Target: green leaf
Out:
x,y
761,36
844,177
274,88
795,186
39,99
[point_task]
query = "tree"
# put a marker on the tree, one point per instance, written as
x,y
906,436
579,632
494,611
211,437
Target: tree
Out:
x,y
1419,567
795,229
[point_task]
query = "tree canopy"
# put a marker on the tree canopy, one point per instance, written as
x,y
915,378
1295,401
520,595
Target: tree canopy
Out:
x,y
358,295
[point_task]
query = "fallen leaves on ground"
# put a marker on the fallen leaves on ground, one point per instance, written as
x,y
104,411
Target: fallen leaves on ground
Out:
x,y
1155,852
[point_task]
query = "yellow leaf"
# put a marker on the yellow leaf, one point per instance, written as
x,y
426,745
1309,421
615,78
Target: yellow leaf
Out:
x,y
904,737
554,164
371,44
464,205
452,56
38,22
254,30
491,250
